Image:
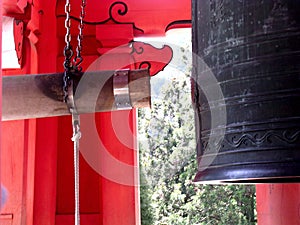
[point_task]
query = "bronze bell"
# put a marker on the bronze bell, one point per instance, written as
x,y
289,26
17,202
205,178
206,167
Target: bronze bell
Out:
x,y
246,92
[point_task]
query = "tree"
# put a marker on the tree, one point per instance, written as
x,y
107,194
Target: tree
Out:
x,y
168,162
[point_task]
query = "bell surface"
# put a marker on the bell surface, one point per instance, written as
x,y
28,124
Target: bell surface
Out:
x,y
246,90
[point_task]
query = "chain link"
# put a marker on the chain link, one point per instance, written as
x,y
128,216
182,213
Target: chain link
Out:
x,y
78,58
68,24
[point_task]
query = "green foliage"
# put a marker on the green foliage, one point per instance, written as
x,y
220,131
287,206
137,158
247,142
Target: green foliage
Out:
x,y
147,216
168,164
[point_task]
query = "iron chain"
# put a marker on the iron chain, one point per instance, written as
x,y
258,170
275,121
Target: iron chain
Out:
x,y
68,52
70,68
78,58
68,89
68,24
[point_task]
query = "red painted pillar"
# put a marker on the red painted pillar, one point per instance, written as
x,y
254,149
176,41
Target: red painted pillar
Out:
x,y
0,94
117,131
30,146
42,31
278,204
18,141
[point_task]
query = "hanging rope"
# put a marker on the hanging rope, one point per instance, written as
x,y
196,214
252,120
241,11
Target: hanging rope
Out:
x,y
68,88
75,139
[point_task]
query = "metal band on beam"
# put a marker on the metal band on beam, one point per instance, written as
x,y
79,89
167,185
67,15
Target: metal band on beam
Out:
x,y
121,90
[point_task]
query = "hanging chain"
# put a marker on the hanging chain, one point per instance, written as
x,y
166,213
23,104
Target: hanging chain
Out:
x,y
78,59
70,68
68,89
68,52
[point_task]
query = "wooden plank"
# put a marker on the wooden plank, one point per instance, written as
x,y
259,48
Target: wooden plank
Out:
x,y
37,96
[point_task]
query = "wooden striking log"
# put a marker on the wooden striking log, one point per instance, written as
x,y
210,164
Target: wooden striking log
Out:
x,y
36,96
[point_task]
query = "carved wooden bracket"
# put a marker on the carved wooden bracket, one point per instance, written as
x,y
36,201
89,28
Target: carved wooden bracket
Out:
x,y
152,58
114,25
26,24
142,56
145,17
18,36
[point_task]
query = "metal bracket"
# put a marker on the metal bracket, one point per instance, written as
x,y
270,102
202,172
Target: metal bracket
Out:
x,y
121,89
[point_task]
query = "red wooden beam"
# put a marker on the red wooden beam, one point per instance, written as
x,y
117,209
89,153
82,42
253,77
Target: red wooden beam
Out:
x,y
148,18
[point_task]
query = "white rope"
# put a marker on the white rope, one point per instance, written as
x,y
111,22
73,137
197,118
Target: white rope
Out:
x,y
75,139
